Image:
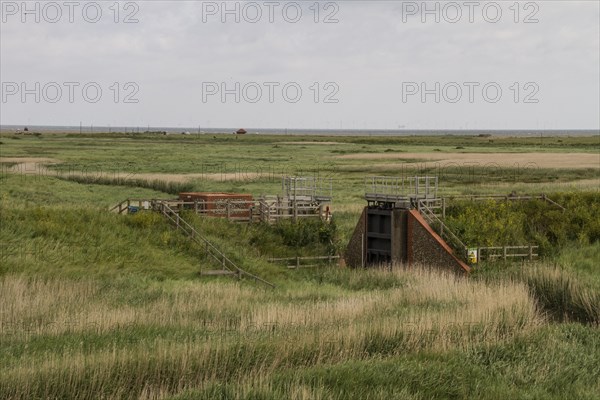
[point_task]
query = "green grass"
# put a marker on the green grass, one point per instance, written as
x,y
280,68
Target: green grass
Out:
x,y
25,191
530,367
99,305
105,156
173,188
120,337
583,260
563,296
536,222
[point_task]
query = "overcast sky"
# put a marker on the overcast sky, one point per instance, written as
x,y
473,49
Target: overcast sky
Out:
x,y
352,65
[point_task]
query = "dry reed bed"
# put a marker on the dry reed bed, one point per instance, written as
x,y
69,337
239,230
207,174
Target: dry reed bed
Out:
x,y
252,333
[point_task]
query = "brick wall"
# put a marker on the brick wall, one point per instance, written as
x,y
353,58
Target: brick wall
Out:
x,y
425,247
353,256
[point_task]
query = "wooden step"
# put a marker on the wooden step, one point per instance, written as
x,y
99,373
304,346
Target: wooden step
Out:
x,y
218,272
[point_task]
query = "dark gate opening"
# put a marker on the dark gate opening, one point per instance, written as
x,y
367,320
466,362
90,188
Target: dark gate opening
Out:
x,y
379,236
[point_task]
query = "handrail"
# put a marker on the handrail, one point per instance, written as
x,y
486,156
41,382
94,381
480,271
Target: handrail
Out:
x,y
549,200
118,206
127,201
198,238
431,218
267,211
401,187
305,258
297,261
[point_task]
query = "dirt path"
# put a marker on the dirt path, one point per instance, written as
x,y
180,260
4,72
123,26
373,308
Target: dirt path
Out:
x,y
312,143
539,160
234,176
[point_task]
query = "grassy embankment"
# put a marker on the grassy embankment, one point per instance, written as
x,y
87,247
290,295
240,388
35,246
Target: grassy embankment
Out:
x,y
94,304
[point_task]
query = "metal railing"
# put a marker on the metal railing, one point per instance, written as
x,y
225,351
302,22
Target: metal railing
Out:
x,y
307,187
401,188
125,204
435,222
211,249
261,210
493,253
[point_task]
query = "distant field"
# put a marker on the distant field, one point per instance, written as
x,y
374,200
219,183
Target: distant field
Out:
x,y
99,305
539,160
256,163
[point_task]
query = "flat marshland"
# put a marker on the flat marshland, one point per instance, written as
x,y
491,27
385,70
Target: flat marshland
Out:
x,y
99,305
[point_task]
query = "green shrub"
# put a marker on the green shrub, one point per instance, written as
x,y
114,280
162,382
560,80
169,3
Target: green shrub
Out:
x,y
307,232
144,220
497,223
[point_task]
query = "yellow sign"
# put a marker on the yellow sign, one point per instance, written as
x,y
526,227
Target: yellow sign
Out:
x,y
472,256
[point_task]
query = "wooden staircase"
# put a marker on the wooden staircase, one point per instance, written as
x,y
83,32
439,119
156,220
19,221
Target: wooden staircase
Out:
x,y
228,267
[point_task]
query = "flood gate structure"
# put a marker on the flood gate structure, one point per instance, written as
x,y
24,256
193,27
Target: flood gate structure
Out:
x,y
392,229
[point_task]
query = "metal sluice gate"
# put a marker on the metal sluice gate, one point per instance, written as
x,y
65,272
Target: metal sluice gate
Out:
x,y
388,200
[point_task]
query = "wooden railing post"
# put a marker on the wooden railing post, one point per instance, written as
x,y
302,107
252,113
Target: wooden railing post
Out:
x,y
504,252
443,207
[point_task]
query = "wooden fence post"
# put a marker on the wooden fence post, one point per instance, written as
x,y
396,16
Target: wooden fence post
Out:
x,y
504,252
295,211
297,262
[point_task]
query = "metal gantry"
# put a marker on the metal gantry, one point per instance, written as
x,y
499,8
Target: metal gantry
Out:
x,y
400,191
386,222
307,188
